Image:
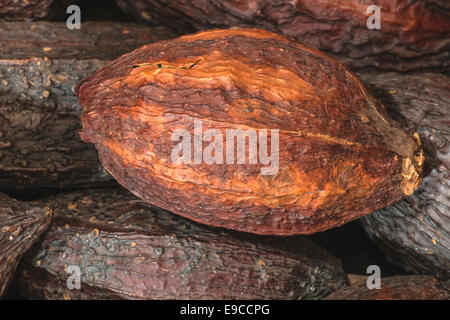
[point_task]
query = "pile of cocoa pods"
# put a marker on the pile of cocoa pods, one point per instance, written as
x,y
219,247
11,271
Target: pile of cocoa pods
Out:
x,y
162,149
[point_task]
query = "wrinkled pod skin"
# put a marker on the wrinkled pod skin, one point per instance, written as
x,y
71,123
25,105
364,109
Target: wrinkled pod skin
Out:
x,y
413,34
396,288
340,155
20,10
126,249
21,224
40,64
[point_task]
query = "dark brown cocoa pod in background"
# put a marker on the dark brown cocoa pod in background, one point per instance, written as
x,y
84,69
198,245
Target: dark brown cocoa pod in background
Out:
x,y
413,34
96,40
396,288
40,63
415,232
340,155
126,249
21,224
20,10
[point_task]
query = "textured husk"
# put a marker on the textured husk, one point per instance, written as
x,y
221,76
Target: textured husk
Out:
x,y
340,155
413,34
19,10
21,224
396,288
328,174
40,63
126,249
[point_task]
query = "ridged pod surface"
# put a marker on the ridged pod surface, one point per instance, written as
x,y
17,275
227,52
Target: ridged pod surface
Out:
x,y
19,10
340,155
126,249
413,34
40,64
21,224
397,288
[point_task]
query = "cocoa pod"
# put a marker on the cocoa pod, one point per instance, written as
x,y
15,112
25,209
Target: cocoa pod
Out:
x,y
397,288
413,35
415,232
335,154
40,63
18,10
127,249
97,40
21,224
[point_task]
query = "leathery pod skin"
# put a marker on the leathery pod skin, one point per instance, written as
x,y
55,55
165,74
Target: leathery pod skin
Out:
x,y
127,249
21,225
339,157
396,288
414,34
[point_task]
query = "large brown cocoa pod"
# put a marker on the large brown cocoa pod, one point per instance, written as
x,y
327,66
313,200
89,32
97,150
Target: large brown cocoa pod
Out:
x,y
21,224
415,232
414,34
340,155
397,288
40,63
18,10
128,249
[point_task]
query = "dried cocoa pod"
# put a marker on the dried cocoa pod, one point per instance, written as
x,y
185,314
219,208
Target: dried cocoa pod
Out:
x,y
40,63
396,288
96,40
21,224
338,156
19,10
415,232
125,248
413,35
